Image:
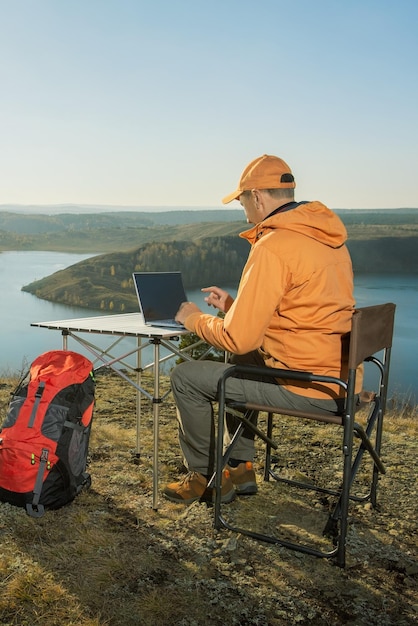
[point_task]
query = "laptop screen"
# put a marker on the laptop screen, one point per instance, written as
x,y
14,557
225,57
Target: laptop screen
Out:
x,y
159,294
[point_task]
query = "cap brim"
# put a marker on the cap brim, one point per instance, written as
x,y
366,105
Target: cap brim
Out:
x,y
232,196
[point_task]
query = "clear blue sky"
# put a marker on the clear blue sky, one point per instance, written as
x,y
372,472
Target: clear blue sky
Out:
x,y
163,102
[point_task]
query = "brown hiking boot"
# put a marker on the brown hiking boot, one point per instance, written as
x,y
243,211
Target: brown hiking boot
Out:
x,y
193,486
243,479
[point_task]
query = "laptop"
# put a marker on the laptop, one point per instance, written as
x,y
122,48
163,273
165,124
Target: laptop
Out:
x,y
160,295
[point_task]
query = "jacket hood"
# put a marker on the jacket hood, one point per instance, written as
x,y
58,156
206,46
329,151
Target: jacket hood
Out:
x,y
312,219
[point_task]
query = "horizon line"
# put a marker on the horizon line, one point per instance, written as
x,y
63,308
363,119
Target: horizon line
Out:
x,y
162,207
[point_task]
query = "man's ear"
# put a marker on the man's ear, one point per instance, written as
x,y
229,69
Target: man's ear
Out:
x,y
256,197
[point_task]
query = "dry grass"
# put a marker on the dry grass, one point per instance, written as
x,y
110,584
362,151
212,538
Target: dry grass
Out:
x,y
108,559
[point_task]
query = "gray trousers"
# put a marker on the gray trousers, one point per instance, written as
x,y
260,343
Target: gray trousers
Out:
x,y
195,384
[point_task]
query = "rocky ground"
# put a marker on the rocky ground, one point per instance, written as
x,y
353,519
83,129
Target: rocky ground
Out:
x,y
110,559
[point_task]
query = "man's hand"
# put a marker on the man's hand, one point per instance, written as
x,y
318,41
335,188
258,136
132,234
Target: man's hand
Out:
x,y
186,309
218,298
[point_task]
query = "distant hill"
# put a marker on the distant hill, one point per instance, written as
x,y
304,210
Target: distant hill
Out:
x,y
113,238
30,223
86,209
127,230
35,223
80,209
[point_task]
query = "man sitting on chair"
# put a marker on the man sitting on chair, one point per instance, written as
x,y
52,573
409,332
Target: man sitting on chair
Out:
x,y
292,310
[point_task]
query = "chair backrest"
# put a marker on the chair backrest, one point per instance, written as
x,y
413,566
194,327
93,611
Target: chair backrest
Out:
x,y
371,331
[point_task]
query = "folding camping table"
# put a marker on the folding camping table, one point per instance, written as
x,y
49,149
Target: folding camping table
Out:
x,y
117,327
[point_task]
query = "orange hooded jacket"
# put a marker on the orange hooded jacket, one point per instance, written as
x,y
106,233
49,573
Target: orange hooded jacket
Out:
x,y
295,297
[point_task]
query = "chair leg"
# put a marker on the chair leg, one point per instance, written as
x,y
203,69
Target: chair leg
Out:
x,y
376,471
345,495
267,460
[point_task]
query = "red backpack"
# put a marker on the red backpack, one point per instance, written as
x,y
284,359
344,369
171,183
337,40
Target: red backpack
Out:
x,y
44,439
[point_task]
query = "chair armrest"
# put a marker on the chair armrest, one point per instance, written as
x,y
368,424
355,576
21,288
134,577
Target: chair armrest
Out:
x,y
274,372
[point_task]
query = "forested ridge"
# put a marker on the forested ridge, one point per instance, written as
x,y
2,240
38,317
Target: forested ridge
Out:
x,y
124,230
111,232
105,282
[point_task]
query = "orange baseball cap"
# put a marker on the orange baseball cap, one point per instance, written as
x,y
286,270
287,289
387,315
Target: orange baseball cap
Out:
x,y
265,172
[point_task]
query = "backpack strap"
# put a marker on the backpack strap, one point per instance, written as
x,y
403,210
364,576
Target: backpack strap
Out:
x,y
34,509
80,427
38,396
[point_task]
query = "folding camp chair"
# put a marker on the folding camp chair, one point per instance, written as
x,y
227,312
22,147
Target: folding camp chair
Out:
x,y
370,341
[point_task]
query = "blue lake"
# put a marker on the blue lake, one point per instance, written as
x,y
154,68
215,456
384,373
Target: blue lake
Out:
x,y
20,343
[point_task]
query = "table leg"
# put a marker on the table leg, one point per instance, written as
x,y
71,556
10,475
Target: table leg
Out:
x,y
156,414
138,398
